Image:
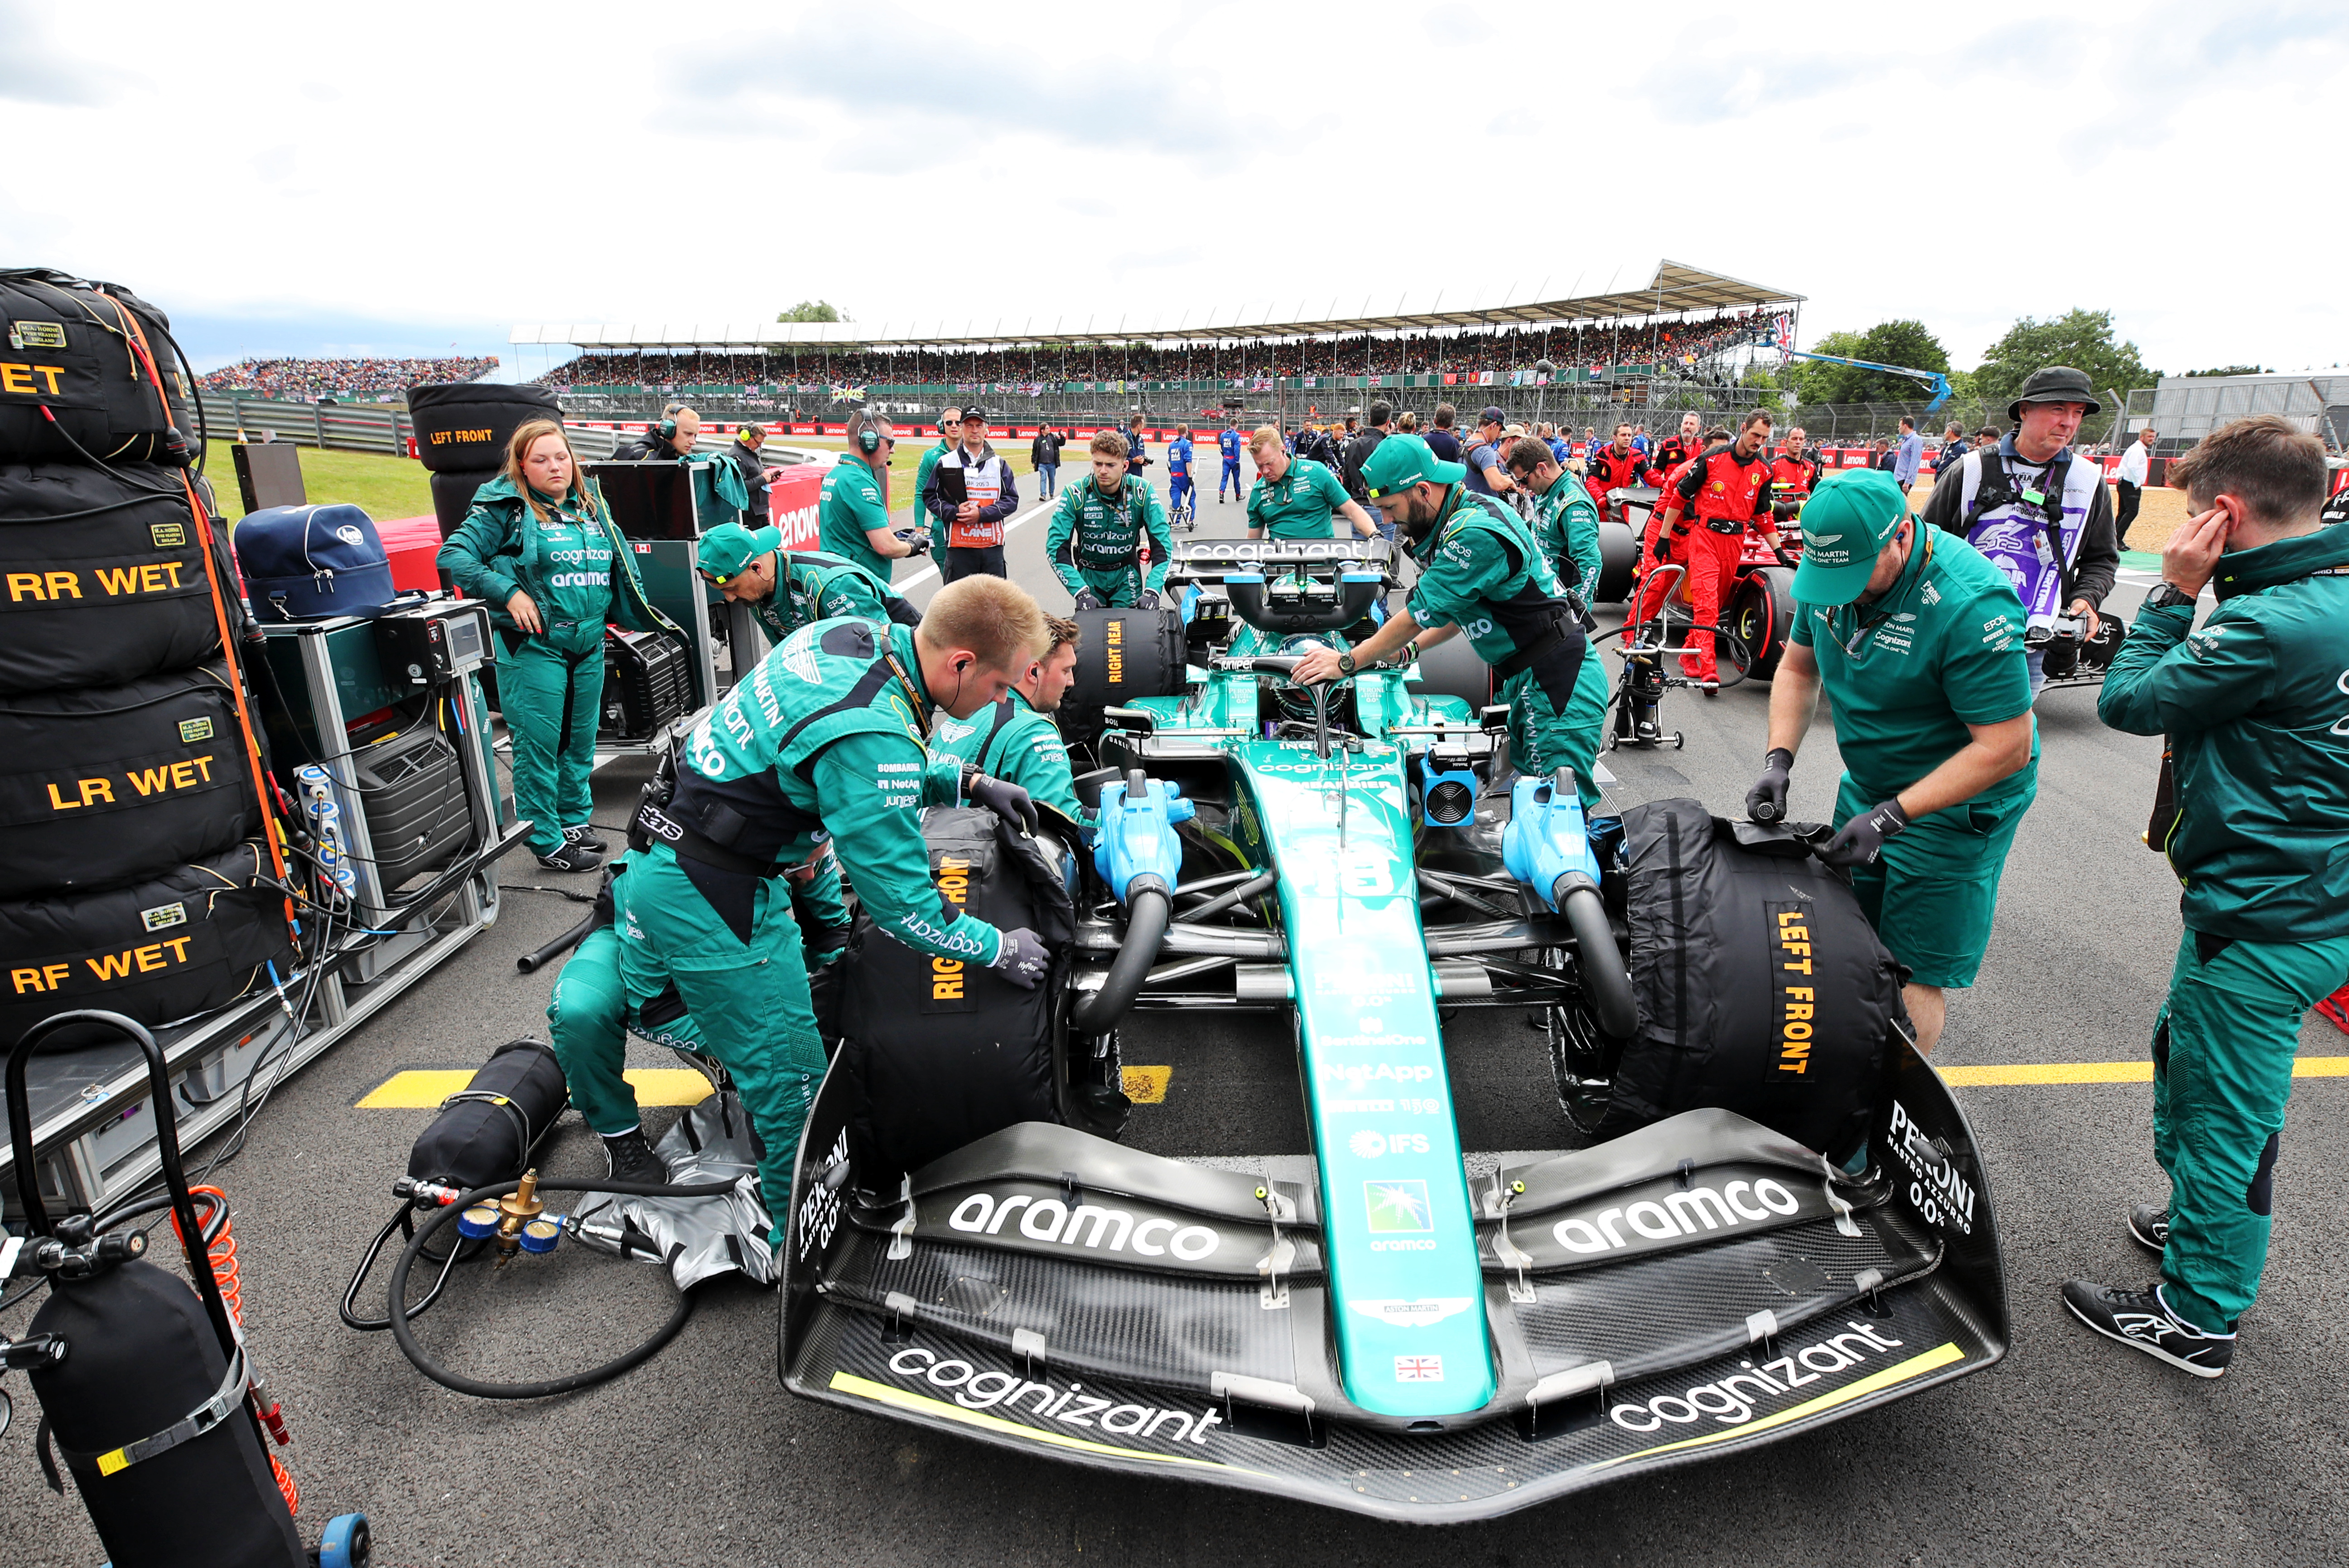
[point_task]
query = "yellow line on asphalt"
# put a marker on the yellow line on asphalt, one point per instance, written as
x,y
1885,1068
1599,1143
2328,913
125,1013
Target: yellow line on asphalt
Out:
x,y
423,1088
2037,1072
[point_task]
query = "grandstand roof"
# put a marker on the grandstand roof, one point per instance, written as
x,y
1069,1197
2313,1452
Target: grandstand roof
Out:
x,y
1673,287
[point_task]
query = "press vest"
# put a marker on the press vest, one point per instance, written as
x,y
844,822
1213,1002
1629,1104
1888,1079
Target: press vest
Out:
x,y
2035,543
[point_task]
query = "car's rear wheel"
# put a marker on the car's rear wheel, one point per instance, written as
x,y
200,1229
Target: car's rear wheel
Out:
x,y
1761,613
1582,1060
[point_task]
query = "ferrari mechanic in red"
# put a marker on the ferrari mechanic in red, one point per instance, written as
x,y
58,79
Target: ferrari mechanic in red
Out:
x,y
1721,494
1616,466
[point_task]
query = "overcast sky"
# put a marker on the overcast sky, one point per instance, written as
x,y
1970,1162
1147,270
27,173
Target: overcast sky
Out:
x,y
394,179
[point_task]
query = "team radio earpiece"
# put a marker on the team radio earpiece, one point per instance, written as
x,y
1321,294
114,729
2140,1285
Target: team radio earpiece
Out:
x,y
868,433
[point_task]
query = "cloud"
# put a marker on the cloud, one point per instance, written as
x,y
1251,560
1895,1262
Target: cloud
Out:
x,y
34,69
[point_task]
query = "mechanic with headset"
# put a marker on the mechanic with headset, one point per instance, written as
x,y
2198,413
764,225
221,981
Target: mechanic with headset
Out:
x,y
541,547
823,745
1230,443
1918,642
718,494
1481,573
2256,709
1094,540
743,453
853,513
2043,518
786,589
1015,740
972,491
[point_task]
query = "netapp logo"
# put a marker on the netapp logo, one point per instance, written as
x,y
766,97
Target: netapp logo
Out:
x,y
1677,1215
1049,1220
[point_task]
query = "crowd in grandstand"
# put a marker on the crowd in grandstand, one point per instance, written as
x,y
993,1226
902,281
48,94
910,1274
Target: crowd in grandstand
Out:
x,y
310,380
1682,343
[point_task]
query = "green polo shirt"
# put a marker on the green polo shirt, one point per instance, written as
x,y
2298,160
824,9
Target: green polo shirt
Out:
x,y
850,507
1299,503
1907,674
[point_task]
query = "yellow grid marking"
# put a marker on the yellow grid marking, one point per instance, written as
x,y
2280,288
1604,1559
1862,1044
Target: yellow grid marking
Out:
x,y
2038,1073
1147,1086
423,1088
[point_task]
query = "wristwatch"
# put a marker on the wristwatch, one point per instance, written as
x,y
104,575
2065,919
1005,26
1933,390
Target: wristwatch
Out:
x,y
1345,664
2165,594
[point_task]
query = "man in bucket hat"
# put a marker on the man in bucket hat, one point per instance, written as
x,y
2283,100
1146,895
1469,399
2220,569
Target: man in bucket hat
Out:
x,y
2042,517
1917,641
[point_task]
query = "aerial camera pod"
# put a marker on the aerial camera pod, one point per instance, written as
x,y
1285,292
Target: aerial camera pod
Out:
x,y
102,577
167,749
89,356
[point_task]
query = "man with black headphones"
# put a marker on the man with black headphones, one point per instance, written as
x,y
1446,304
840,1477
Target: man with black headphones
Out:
x,y
852,513
718,494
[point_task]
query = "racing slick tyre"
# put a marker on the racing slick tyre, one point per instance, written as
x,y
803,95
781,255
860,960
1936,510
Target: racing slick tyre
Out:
x,y
462,427
1619,559
1760,612
1121,654
1451,669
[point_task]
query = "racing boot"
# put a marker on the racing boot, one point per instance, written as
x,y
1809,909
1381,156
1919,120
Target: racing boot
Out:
x,y
629,1157
2148,1226
2142,1319
585,836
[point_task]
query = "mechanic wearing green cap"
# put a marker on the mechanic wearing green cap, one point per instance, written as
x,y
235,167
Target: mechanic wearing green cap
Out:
x,y
1094,541
820,745
2254,707
1480,572
1016,739
1918,640
786,589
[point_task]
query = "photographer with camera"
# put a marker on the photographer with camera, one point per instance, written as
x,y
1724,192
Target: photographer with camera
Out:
x,y
1918,642
2254,708
2042,515
853,513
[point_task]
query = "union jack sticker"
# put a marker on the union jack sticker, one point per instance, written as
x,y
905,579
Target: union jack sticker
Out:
x,y
1419,1369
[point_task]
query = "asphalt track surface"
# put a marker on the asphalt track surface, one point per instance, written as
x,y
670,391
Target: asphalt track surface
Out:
x,y
2071,1450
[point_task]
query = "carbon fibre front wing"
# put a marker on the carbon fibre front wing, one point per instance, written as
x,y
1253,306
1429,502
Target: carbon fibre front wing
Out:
x,y
1698,1287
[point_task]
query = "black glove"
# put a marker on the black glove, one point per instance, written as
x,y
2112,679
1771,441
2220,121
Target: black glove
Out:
x,y
917,542
1146,599
1766,801
1021,959
1008,801
1087,600
1859,841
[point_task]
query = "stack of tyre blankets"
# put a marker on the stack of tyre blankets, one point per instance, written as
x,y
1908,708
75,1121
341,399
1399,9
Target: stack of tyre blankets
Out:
x,y
140,866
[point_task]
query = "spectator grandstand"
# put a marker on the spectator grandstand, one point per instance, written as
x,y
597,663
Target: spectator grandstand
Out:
x,y
312,380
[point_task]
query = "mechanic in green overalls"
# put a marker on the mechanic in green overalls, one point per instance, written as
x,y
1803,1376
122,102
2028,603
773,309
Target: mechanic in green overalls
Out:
x,y
1566,528
1094,541
853,512
1917,641
1296,497
823,744
786,589
2256,708
1015,740
1481,573
540,547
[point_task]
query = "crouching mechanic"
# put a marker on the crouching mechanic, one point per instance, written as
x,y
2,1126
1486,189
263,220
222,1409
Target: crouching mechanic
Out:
x,y
787,589
1095,542
823,743
1480,572
1917,641
2253,707
1015,740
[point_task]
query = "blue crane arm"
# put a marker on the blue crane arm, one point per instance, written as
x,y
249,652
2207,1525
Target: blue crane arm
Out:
x,y
1933,381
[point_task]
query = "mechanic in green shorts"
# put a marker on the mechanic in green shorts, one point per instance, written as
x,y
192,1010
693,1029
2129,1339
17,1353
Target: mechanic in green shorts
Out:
x,y
853,512
823,744
1094,540
1917,641
1481,573
1015,740
786,589
2256,707
1296,497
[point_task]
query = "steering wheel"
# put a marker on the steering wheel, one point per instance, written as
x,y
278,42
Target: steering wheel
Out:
x,y
1281,664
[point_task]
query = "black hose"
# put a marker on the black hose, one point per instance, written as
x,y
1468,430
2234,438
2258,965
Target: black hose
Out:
x,y
350,1305
1601,963
406,1336
533,961
1145,930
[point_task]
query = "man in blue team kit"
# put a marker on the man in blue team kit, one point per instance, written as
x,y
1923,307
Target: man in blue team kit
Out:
x,y
1182,495
1230,443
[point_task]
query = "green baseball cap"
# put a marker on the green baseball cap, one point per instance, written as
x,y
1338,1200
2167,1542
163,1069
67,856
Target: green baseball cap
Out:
x,y
1401,462
1846,524
726,548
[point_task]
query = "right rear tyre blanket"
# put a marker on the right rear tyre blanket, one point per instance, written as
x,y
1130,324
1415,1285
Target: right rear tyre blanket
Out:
x,y
1762,988
104,784
941,1051
453,495
189,941
462,427
101,576
1121,654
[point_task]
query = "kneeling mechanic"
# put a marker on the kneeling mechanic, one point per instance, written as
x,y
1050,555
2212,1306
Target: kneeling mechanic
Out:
x,y
1016,739
823,743
1480,572
787,589
1094,541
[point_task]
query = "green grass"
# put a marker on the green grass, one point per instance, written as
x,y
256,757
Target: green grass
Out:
x,y
382,487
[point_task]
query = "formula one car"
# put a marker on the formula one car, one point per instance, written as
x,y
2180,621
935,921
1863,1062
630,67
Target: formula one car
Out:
x,y
1760,608
1391,1325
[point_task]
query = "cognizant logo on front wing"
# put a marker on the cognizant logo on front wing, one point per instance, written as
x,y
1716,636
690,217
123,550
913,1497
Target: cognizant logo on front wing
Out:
x,y
1041,1399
